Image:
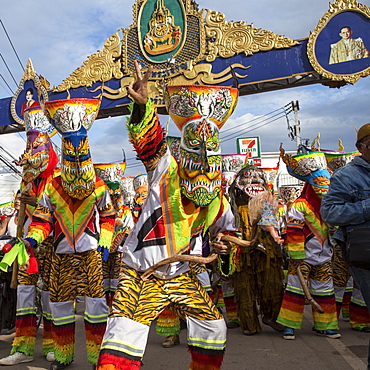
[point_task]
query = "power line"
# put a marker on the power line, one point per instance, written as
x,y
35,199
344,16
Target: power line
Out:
x,y
6,83
10,72
253,127
10,41
254,119
3,86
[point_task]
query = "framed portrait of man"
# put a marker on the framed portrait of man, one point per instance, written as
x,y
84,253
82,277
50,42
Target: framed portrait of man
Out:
x,y
339,47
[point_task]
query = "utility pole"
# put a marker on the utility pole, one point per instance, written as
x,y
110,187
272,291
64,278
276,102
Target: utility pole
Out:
x,y
297,128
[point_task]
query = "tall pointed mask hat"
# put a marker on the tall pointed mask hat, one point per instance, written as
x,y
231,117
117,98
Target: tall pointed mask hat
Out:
x,y
309,167
338,158
199,111
73,118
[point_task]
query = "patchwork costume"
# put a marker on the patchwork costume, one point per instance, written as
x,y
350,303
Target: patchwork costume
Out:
x,y
77,208
174,220
255,272
308,242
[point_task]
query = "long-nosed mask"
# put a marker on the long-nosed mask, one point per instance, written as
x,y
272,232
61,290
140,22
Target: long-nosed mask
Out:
x,y
72,118
77,169
199,111
200,161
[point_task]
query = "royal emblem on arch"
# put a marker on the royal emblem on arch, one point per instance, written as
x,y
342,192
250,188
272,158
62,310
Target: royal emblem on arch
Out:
x,y
162,29
163,36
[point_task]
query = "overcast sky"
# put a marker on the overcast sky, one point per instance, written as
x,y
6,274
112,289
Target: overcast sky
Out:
x,y
59,36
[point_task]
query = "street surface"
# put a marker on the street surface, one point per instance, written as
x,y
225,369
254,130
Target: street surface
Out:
x,y
264,351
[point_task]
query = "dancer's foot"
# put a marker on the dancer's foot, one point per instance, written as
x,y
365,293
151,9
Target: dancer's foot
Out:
x,y
275,325
232,325
56,365
248,332
16,358
289,334
50,357
328,333
171,341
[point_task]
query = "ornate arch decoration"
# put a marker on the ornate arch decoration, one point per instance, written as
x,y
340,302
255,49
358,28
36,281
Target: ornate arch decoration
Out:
x,y
334,54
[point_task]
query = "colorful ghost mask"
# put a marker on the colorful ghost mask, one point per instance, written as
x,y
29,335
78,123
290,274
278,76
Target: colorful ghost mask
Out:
x,y
249,182
72,118
336,160
112,174
199,111
309,167
39,154
140,183
289,193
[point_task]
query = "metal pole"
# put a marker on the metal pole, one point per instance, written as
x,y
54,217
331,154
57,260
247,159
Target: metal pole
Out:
x,y
297,128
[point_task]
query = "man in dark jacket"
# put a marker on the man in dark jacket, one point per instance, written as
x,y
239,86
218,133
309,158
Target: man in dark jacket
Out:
x,y
347,204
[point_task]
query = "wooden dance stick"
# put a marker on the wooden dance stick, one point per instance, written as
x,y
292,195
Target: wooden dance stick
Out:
x,y
307,293
21,214
198,259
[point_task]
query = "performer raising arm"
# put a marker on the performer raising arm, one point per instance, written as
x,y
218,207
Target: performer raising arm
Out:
x,y
177,214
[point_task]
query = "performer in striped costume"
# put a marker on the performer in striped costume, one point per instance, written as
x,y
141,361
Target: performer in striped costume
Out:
x,y
38,162
308,246
184,202
70,207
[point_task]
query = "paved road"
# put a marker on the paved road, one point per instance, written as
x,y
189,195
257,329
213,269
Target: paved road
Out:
x,y
264,351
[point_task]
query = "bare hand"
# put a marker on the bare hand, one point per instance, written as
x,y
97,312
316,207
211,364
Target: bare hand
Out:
x,y
221,247
28,199
279,240
26,244
138,90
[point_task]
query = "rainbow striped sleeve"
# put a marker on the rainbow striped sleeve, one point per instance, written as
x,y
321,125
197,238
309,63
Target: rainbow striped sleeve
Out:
x,y
107,215
295,235
148,137
42,222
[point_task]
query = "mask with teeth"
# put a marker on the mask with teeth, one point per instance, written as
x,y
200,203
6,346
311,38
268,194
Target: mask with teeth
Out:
x,y
250,181
199,111
77,169
200,162
72,118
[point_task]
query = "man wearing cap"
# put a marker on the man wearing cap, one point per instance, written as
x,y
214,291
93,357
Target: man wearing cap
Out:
x,y
347,204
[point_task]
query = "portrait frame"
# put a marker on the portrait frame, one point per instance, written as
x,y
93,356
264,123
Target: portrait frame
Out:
x,y
29,80
341,14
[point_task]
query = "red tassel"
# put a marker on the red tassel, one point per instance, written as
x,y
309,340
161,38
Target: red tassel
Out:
x,y
33,267
206,362
108,361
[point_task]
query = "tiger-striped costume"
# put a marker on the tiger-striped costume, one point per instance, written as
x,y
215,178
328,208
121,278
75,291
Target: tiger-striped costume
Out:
x,y
112,266
76,261
26,325
168,322
136,303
